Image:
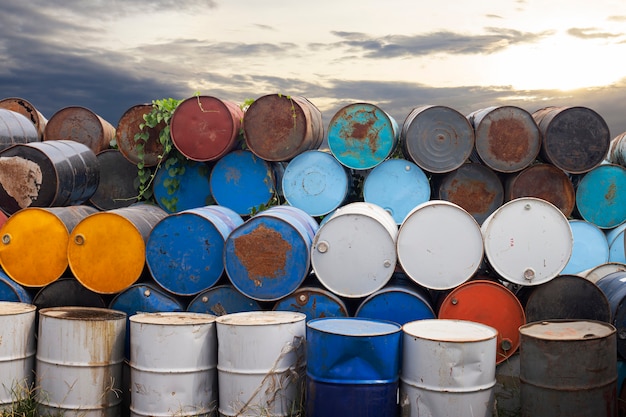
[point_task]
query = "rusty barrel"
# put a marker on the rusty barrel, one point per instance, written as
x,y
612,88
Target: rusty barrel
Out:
x,y
15,128
568,368
575,139
116,188
313,301
205,128
278,127
47,174
473,186
25,108
81,125
134,149
601,196
507,137
438,139
544,181
33,248
222,299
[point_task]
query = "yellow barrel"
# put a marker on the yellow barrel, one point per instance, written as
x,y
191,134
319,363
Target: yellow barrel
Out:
x,y
33,248
107,250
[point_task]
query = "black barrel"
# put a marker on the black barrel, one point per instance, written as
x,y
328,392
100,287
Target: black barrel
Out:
x,y
15,128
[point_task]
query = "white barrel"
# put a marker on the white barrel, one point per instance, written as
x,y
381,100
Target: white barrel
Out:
x,y
448,369
600,271
439,245
528,241
354,250
261,363
80,353
17,350
173,364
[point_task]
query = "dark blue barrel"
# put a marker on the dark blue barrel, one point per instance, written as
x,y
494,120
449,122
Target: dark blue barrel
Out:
x,y
183,185
601,196
184,252
12,291
315,302
614,287
353,367
221,300
268,256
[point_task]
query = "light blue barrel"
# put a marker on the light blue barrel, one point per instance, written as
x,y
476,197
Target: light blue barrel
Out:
x,y
184,251
615,239
243,182
268,256
182,185
12,291
361,135
222,299
353,367
590,247
315,182
398,186
315,302
601,196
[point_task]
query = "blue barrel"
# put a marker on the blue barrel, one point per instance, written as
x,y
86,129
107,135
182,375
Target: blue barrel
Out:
x,y
353,367
615,239
314,302
361,135
184,252
315,182
399,301
614,287
221,300
601,196
182,185
268,256
12,291
590,247
398,186
243,182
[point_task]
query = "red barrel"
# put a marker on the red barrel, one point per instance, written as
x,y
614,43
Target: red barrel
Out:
x,y
128,127
27,110
205,128
80,125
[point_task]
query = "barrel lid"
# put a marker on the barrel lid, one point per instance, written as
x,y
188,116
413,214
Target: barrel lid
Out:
x,y
568,330
449,330
116,187
128,127
261,318
173,318
81,125
24,107
354,326
9,308
590,247
191,189
82,313
395,303
314,302
601,196
222,299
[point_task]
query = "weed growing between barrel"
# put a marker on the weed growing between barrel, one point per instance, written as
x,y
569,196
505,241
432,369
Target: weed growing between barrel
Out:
x,y
23,401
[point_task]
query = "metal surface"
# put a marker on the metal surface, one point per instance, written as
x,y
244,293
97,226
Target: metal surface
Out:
x,y
507,138
16,128
315,182
475,187
617,152
601,196
568,368
354,251
185,251
270,375
80,124
398,186
76,345
438,139
66,292
47,174
278,127
11,291
205,128
107,251
439,245
128,127
17,350
173,364
221,300
489,303
603,270
25,108
33,248
575,139
617,251
182,186
613,286
116,185
590,248
314,302
543,181
528,241
361,135
448,368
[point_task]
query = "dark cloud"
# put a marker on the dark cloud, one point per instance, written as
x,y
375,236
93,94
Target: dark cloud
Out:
x,y
591,33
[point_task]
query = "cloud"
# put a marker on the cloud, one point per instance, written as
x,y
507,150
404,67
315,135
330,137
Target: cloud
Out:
x,y
591,33
620,18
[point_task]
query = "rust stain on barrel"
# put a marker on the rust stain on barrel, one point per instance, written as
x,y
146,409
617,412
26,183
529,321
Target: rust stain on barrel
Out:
x,y
473,196
611,192
508,140
263,252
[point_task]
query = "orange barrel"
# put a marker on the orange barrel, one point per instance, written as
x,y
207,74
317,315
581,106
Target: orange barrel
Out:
x,y
475,187
544,181
489,303
80,125
128,127
15,128
26,109
116,188
47,174
507,138
438,139
278,128
575,139
107,250
205,128
33,251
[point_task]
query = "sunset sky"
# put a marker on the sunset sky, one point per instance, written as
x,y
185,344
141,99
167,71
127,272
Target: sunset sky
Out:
x,y
396,54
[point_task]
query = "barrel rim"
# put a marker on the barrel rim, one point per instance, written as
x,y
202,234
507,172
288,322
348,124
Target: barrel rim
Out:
x,y
525,330
314,326
89,313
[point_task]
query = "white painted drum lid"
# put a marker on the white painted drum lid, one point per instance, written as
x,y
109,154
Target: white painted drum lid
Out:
x,y
439,245
528,241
